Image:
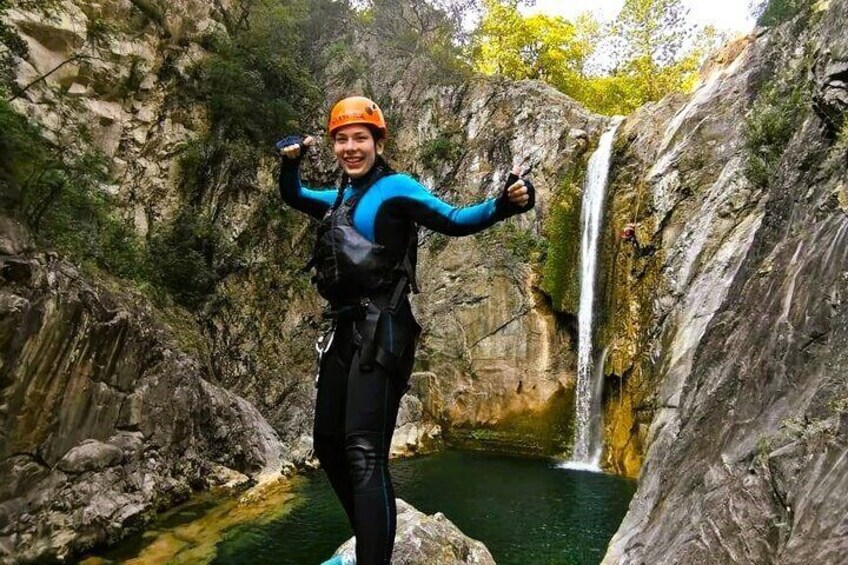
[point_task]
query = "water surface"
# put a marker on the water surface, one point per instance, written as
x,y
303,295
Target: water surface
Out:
x,y
526,511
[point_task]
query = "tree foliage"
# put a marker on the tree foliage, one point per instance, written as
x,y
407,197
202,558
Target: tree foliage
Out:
x,y
256,83
649,39
539,47
775,12
59,195
646,50
420,31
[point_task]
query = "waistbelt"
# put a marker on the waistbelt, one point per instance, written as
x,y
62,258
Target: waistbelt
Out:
x,y
370,309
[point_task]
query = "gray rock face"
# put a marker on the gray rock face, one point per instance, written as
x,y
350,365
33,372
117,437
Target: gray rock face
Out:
x,y
103,421
490,337
832,96
428,540
137,131
747,447
90,455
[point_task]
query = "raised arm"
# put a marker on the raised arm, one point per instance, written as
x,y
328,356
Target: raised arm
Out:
x,y
408,196
301,198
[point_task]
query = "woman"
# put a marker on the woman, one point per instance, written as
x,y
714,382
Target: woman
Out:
x,y
365,257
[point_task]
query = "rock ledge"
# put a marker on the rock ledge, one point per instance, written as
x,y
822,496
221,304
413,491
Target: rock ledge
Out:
x,y
428,540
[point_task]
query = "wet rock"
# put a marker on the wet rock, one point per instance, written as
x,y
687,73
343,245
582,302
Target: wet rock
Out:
x,y
425,540
77,468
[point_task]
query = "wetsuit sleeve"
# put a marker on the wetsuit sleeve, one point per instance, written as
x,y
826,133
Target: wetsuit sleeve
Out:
x,y
412,199
301,198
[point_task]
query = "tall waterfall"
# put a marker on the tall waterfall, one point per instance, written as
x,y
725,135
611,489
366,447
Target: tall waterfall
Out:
x,y
587,420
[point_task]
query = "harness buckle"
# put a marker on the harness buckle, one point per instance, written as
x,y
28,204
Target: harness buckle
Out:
x,y
322,345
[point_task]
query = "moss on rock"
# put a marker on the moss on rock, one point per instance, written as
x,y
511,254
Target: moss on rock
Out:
x,y
561,272
548,431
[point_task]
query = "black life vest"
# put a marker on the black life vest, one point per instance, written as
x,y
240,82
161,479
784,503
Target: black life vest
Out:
x,y
348,265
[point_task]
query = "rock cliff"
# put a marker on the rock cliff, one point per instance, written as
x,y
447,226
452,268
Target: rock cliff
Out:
x,y
104,420
727,331
723,332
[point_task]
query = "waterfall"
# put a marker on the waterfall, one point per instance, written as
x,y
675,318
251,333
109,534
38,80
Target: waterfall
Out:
x,y
587,424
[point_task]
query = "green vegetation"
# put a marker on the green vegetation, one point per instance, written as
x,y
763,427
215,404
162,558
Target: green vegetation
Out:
x,y
561,272
769,127
186,254
59,195
429,33
512,245
537,47
776,12
60,192
648,58
153,10
11,46
445,148
838,158
256,85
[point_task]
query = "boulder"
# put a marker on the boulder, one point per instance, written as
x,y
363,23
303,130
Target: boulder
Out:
x,y
428,540
90,455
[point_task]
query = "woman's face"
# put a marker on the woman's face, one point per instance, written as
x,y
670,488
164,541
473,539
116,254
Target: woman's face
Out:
x,y
356,150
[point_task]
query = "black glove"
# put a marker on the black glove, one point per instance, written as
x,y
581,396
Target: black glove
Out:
x,y
285,142
505,208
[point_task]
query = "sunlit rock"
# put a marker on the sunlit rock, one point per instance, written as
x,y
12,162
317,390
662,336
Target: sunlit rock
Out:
x,y
424,540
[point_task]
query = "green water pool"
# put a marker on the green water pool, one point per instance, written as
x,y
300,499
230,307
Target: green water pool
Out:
x,y
526,511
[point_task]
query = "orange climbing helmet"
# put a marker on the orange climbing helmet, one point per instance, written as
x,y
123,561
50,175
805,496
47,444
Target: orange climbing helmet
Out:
x,y
357,110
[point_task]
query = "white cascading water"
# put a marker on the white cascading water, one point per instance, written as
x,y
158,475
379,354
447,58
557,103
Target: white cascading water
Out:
x,y
587,425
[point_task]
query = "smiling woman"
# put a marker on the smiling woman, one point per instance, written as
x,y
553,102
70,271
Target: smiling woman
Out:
x,y
356,149
365,257
358,130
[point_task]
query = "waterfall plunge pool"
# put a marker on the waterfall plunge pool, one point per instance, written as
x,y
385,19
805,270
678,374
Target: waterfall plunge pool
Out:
x,y
525,511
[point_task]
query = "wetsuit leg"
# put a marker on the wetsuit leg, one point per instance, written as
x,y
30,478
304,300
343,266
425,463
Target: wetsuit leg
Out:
x,y
370,416
329,429
355,416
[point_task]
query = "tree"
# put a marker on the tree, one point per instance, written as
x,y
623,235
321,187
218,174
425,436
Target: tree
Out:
x,y
649,40
775,12
651,48
540,47
420,31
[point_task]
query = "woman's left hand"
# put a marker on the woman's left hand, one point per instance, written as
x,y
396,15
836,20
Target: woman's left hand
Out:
x,y
518,193
518,196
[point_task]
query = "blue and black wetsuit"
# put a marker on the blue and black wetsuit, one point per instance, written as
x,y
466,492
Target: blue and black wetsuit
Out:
x,y
356,409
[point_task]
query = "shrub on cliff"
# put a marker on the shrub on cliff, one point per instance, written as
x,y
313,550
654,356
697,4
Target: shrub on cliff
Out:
x,y
59,194
775,12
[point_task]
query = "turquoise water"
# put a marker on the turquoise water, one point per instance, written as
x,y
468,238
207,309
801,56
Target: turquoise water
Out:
x,y
526,511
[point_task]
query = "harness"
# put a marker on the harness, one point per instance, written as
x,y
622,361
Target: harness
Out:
x,y
358,278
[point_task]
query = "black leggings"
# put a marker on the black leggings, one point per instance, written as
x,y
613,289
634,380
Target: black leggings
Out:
x,y
355,417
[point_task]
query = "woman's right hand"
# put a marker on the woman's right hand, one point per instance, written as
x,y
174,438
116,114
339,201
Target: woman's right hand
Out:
x,y
292,146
